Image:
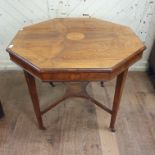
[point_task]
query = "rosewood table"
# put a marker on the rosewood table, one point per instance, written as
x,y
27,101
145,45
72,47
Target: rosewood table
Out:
x,y
75,51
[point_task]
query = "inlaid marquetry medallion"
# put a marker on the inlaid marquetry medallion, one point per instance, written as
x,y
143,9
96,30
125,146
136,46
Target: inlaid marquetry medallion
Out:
x,y
75,36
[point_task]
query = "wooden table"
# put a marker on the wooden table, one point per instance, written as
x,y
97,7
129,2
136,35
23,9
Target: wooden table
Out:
x,y
75,51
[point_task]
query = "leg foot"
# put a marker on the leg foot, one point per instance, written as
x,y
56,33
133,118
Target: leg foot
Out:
x,y
113,129
52,84
102,83
42,128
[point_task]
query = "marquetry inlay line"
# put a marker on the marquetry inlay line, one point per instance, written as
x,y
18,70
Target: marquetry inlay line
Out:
x,y
75,36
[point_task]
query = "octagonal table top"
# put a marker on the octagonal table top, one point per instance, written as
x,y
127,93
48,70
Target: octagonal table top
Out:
x,y
75,43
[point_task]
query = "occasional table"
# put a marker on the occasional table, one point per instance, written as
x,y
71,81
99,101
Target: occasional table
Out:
x,y
75,51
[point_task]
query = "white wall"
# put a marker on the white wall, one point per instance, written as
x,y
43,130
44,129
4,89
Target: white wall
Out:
x,y
138,14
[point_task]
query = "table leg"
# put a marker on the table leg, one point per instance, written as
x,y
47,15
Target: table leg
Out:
x,y
34,96
52,84
117,97
102,83
1,110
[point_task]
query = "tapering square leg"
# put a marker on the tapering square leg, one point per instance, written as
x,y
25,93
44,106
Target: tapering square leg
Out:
x,y
102,83
34,96
52,84
117,97
1,110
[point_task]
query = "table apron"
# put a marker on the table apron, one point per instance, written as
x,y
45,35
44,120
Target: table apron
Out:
x,y
75,76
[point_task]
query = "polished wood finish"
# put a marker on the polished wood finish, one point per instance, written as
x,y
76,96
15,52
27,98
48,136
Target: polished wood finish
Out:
x,y
75,50
75,75
45,50
47,47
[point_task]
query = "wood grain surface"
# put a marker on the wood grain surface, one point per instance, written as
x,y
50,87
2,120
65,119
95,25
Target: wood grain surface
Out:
x,y
77,127
75,43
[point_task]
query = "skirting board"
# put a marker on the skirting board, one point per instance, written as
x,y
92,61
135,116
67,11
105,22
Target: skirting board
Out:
x,y
8,65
